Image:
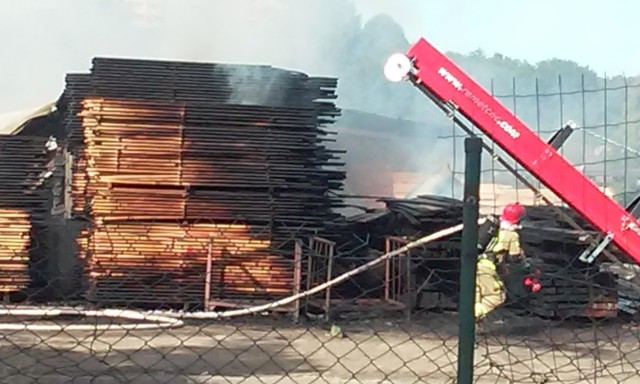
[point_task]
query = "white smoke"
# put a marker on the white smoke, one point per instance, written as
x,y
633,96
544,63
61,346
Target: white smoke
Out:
x,y
42,42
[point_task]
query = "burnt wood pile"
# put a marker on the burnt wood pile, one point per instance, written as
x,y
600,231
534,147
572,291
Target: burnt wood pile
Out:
x,y
23,213
176,160
410,219
406,217
569,285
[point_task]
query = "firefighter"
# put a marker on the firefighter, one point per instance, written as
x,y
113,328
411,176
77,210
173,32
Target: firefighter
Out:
x,y
495,262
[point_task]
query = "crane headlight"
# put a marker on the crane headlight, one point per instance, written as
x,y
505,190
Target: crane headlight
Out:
x,y
397,67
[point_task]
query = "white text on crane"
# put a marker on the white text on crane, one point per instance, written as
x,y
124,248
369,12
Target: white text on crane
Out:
x,y
457,84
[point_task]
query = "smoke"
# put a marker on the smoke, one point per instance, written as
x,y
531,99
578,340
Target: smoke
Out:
x,y
244,81
298,35
435,165
42,42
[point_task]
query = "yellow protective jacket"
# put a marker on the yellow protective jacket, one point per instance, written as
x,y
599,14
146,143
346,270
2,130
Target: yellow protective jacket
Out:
x,y
507,243
490,291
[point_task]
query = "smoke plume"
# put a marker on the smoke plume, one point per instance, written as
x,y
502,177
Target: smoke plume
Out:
x,y
43,42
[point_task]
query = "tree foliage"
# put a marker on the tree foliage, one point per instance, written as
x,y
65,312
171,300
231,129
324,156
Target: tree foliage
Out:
x,y
545,95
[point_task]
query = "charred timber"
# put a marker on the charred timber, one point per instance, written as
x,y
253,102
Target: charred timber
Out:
x,y
570,287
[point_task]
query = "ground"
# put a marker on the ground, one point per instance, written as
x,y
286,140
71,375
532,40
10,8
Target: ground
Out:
x,y
525,350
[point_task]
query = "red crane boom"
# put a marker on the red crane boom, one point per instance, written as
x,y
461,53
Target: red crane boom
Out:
x,y
442,80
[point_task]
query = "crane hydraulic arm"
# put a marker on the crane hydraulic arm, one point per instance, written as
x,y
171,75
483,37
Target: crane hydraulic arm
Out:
x,y
445,83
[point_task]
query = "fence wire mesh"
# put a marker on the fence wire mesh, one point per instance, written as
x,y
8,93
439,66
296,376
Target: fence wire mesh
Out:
x,y
121,300
582,324
603,146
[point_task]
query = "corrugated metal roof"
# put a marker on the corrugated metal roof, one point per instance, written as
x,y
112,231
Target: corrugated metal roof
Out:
x,y
13,122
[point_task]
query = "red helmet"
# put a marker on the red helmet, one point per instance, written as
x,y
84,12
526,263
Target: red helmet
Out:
x,y
512,213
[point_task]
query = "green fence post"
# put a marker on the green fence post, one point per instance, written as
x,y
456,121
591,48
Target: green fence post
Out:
x,y
469,250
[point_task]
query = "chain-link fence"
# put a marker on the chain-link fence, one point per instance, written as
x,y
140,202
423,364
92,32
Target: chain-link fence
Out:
x,y
225,306
584,316
136,253
603,146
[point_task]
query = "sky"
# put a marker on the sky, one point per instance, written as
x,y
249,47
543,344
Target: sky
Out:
x,y
41,40
594,33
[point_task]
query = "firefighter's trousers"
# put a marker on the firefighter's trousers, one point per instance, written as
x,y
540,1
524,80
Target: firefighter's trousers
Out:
x,y
490,292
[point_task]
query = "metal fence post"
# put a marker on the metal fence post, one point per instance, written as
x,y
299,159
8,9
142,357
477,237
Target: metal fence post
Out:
x,y
466,343
297,278
207,276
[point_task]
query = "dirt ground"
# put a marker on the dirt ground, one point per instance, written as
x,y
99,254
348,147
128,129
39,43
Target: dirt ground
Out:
x,y
371,351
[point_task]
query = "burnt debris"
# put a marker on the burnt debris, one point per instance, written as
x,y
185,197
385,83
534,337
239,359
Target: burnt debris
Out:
x,y
570,287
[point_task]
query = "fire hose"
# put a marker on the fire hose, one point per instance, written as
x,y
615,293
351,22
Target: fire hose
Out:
x,y
337,280
148,321
163,320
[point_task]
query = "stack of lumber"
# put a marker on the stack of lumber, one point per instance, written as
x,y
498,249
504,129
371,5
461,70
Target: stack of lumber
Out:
x,y
171,156
23,208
